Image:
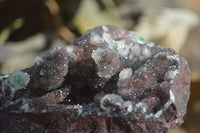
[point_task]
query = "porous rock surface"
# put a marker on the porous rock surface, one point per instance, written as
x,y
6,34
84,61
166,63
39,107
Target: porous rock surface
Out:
x,y
107,81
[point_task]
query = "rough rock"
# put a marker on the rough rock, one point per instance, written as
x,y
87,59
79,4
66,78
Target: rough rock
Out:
x,y
107,81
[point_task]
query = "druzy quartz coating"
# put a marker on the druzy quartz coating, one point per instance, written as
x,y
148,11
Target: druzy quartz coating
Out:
x,y
107,81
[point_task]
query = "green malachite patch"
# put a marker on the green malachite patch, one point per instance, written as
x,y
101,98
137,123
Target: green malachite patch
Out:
x,y
140,38
19,79
4,75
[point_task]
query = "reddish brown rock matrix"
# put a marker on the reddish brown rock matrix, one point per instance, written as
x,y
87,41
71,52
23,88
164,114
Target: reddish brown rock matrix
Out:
x,y
107,81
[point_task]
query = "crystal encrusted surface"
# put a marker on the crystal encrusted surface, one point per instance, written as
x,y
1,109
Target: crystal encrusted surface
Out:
x,y
107,81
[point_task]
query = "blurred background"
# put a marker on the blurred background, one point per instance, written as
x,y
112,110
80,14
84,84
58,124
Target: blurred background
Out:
x,y
29,28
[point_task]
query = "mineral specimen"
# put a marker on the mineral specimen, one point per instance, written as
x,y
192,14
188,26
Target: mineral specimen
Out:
x,y
107,81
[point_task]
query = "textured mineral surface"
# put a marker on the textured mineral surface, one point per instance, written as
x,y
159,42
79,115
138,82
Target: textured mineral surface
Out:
x,y
107,81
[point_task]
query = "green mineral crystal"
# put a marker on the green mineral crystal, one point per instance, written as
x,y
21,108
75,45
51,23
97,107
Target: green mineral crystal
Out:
x,y
19,79
140,39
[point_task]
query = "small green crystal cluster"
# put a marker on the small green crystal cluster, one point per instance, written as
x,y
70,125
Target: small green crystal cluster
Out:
x,y
4,75
19,79
140,39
